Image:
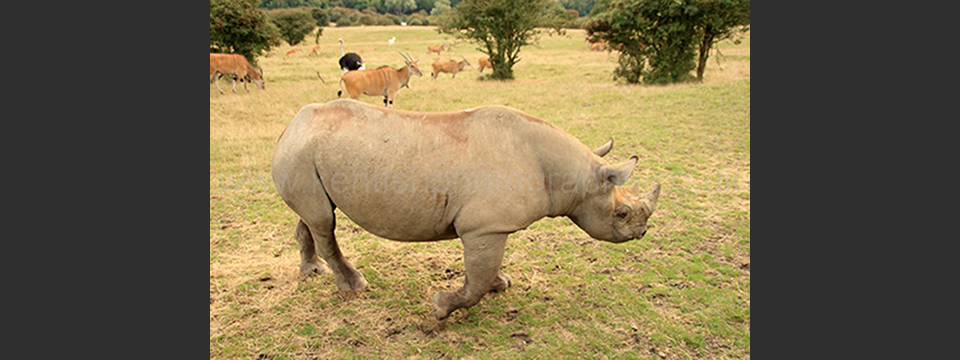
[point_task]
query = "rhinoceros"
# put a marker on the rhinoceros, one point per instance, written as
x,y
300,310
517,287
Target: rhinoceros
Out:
x,y
478,175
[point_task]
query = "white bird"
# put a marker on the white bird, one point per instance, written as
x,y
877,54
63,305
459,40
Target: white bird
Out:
x,y
392,40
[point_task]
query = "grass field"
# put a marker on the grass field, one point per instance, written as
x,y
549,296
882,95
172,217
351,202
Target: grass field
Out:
x,y
683,291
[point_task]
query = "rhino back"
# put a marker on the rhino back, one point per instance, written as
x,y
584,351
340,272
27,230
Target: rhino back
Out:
x,y
418,176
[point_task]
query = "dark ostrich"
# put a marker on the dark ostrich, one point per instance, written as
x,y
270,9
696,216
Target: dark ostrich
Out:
x,y
349,61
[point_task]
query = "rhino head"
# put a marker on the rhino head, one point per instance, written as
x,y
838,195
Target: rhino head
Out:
x,y
615,213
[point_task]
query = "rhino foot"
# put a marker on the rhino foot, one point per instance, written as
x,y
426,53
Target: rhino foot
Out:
x,y
501,282
354,282
442,303
314,268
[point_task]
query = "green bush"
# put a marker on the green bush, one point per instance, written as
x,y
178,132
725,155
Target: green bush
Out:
x,y
338,13
354,18
367,19
571,19
394,20
294,23
334,14
321,15
237,26
417,19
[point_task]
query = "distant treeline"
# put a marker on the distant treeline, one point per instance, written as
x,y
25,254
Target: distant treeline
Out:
x,y
400,7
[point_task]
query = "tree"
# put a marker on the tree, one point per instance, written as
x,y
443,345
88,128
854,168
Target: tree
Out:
x,y
294,24
323,19
440,7
582,7
237,26
400,7
277,4
499,28
425,5
555,16
719,20
665,35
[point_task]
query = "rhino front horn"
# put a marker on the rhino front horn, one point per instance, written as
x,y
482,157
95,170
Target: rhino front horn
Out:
x,y
652,197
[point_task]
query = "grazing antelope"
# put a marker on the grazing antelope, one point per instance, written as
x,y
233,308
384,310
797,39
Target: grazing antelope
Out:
x,y
291,52
484,64
237,66
600,45
436,48
385,81
452,67
315,50
350,61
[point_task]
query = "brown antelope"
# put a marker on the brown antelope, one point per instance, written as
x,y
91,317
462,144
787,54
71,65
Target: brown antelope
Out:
x,y
436,48
600,45
291,52
452,67
235,65
385,81
315,50
484,64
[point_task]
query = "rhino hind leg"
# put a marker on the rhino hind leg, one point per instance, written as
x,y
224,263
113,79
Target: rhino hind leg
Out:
x,y
309,262
482,256
303,190
345,275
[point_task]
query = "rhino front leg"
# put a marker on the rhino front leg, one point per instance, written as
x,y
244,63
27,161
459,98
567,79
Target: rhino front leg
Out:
x,y
502,282
482,256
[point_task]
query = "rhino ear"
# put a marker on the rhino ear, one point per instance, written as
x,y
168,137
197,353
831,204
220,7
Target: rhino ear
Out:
x,y
617,174
603,150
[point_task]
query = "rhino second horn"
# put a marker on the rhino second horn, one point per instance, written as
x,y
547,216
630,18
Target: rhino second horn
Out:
x,y
652,197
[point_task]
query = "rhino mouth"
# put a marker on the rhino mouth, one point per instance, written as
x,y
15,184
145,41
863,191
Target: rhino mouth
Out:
x,y
625,238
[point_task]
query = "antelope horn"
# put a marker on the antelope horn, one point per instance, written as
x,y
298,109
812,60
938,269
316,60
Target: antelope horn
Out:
x,y
404,56
411,57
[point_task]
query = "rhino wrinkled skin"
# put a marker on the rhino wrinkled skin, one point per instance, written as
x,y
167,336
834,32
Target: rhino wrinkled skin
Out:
x,y
478,175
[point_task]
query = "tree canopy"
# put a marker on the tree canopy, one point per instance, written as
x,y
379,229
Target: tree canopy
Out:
x,y
658,40
500,28
388,6
294,24
400,7
237,26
